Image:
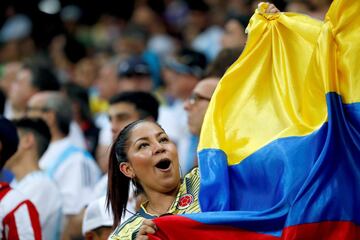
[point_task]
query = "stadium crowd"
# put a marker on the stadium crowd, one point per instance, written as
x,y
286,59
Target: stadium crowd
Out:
x,y
74,74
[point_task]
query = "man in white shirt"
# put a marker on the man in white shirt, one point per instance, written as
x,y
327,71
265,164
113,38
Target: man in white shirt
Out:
x,y
34,183
72,168
196,106
18,216
198,103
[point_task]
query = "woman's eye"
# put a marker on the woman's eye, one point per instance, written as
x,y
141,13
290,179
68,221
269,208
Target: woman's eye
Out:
x,y
164,140
143,145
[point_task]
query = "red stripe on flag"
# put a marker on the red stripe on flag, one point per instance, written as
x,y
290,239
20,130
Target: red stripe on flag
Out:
x,y
323,230
178,227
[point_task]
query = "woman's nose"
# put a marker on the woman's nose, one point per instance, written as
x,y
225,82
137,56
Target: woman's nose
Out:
x,y
159,148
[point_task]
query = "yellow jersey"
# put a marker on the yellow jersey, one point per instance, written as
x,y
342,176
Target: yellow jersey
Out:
x,y
186,201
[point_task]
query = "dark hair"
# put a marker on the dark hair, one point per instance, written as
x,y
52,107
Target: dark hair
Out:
x,y
243,20
225,58
135,31
40,130
118,183
42,77
145,103
198,5
8,139
80,98
194,60
79,95
73,49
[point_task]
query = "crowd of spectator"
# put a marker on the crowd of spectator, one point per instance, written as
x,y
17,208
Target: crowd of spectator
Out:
x,y
73,74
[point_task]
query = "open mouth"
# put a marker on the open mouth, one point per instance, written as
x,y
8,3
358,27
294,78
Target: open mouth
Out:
x,y
163,164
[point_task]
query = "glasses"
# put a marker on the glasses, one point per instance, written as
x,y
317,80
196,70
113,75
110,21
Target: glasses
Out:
x,y
194,98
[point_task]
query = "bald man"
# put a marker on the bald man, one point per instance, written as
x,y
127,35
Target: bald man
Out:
x,y
198,103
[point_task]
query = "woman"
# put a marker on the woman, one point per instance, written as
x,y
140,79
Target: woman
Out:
x,y
144,154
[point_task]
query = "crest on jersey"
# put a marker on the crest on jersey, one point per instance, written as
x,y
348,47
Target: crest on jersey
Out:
x,y
185,201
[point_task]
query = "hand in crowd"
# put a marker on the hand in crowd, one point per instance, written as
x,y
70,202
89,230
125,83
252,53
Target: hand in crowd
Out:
x,y
147,226
271,8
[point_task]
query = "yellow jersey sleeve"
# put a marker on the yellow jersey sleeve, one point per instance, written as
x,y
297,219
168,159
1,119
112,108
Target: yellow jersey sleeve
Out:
x,y
129,229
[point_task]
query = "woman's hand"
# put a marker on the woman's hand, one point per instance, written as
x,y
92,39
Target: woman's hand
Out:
x,y
147,226
270,7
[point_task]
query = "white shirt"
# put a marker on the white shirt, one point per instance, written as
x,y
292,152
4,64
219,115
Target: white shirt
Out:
x,y
100,188
8,110
209,42
76,135
105,135
43,192
74,171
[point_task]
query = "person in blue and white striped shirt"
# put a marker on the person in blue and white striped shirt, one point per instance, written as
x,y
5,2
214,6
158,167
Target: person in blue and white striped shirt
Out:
x,y
73,168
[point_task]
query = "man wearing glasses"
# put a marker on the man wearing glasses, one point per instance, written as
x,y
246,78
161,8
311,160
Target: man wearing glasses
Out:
x,y
196,106
198,103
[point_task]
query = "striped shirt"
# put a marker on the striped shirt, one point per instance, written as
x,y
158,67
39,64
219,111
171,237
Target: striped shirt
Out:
x,y
74,171
186,201
43,192
18,216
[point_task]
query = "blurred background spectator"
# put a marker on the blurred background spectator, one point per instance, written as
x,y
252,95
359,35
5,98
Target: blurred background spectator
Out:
x,y
87,52
34,138
97,223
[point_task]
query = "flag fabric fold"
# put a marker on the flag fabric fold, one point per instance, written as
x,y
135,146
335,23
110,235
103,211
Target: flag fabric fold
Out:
x,y
279,151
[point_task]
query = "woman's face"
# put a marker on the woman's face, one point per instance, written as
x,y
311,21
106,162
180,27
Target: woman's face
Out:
x,y
153,158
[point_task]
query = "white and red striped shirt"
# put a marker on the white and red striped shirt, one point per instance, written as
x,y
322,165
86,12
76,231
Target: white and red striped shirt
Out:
x,y
18,216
